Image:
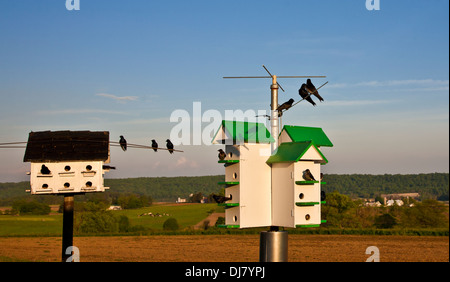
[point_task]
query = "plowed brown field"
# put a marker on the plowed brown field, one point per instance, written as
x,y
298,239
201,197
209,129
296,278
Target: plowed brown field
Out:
x,y
232,248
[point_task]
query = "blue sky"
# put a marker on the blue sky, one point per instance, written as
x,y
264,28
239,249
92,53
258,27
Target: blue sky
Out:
x,y
125,66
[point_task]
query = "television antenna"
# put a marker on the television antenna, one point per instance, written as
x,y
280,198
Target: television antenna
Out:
x,y
274,119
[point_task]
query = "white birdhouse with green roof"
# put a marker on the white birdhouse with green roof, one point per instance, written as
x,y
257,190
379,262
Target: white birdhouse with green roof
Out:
x,y
263,189
247,175
296,184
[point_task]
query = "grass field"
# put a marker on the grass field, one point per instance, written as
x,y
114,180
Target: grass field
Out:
x,y
51,225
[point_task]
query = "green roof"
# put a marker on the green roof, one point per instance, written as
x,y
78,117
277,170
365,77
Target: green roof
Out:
x,y
293,152
303,134
248,132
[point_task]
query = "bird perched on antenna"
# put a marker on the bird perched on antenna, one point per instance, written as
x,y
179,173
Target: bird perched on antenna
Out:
x,y
312,89
307,175
123,143
305,95
169,146
285,106
222,154
154,145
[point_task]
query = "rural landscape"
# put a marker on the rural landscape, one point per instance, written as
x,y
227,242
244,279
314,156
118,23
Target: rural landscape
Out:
x,y
138,218
195,136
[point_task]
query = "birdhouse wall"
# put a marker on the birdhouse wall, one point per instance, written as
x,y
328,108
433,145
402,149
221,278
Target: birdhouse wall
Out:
x,y
67,177
284,137
307,193
309,215
253,193
286,193
282,194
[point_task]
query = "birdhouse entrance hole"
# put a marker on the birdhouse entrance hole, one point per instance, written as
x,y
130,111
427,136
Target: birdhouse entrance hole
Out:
x,y
307,217
44,186
66,185
301,196
88,184
88,167
235,218
67,168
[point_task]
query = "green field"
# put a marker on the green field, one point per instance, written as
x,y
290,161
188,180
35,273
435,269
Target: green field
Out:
x,y
51,225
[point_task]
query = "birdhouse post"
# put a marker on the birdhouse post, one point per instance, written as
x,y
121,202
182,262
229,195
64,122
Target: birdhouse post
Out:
x,y
67,163
293,167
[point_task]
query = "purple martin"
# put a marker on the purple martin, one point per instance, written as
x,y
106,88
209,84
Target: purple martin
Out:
x,y
154,145
222,154
312,89
169,146
307,175
305,95
285,106
221,199
123,143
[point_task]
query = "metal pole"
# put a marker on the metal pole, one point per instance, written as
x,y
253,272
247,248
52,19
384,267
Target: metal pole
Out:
x,y
274,126
273,246
67,236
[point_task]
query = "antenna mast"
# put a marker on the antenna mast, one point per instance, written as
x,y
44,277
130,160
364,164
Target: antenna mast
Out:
x,y
274,120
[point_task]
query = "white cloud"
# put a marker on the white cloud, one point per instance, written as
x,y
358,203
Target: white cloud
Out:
x,y
118,98
183,162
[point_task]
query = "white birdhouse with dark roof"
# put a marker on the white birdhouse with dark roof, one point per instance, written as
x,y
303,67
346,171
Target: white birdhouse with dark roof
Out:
x,y
247,175
67,162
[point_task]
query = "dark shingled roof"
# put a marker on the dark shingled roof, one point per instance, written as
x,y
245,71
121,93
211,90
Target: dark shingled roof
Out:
x,y
56,146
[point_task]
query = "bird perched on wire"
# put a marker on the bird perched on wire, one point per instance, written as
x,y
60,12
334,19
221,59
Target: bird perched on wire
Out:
x,y
305,94
222,154
312,89
45,170
154,145
307,175
221,199
285,106
123,143
169,146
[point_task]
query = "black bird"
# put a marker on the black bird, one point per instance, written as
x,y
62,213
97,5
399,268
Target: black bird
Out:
x,y
222,154
154,145
107,167
123,143
323,196
312,89
285,106
45,170
169,146
307,175
221,199
304,94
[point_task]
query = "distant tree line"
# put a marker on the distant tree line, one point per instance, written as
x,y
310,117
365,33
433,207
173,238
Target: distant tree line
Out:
x,y
343,212
429,186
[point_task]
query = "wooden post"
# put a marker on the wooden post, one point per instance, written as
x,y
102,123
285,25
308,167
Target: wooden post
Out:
x,y
67,236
